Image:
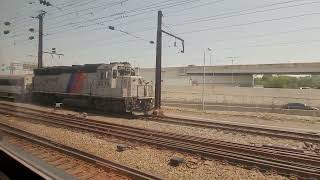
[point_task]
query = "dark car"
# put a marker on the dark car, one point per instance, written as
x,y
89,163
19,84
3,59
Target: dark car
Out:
x,y
299,106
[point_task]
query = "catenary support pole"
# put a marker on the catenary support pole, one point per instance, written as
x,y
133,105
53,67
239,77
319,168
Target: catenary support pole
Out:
x,y
40,43
158,63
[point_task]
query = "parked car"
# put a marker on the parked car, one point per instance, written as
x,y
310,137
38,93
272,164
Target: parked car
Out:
x,y
299,106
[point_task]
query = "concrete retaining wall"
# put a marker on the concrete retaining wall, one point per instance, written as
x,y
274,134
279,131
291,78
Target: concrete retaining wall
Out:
x,y
263,97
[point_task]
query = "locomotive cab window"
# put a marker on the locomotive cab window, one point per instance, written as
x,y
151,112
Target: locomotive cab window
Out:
x,y
114,74
103,75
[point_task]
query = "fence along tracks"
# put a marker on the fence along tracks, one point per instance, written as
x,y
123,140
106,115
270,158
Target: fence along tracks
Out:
x,y
118,170
285,161
245,128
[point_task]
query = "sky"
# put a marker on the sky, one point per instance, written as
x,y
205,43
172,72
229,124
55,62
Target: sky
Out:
x,y
247,31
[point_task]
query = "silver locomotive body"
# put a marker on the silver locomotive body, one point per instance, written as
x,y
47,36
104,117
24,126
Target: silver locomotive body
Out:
x,y
109,87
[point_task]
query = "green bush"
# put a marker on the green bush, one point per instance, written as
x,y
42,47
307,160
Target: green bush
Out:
x,y
269,81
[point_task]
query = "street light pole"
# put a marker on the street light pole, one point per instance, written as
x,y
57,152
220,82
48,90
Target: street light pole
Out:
x,y
232,60
232,72
204,77
211,63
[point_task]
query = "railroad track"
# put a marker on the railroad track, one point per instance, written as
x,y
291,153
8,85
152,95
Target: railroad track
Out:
x,y
111,169
305,136
285,161
244,128
17,159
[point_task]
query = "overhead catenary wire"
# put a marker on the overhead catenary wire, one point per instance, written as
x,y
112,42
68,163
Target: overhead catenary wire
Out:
x,y
262,6
286,43
216,28
307,29
21,34
275,33
130,34
49,18
54,17
61,6
239,14
82,26
93,21
249,23
201,19
244,24
154,5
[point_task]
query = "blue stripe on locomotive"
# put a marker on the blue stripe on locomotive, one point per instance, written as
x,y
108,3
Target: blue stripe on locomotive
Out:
x,y
71,82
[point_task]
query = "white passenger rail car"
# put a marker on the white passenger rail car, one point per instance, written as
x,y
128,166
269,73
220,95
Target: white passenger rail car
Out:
x,y
15,87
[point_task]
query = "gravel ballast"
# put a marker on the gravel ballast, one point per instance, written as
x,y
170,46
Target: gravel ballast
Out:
x,y
231,136
146,158
259,118
75,167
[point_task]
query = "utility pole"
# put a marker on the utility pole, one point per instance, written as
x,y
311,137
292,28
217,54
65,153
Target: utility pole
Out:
x,y
40,43
158,61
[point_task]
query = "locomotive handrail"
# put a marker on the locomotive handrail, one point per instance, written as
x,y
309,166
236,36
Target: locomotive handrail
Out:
x,y
144,88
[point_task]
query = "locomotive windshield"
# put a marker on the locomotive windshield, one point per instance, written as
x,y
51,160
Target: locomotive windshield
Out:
x,y
126,71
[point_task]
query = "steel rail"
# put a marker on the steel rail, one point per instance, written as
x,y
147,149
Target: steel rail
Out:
x,y
229,126
235,154
129,128
38,167
204,141
128,171
252,129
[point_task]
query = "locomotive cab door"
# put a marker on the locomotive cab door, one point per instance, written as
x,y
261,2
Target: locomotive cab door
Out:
x,y
113,78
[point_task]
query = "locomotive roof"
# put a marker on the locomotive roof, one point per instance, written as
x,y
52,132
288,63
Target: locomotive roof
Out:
x,y
87,68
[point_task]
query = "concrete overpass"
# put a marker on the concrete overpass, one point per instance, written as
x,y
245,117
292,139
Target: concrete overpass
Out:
x,y
228,75
286,68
